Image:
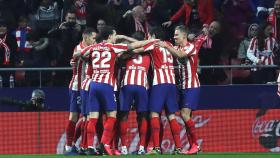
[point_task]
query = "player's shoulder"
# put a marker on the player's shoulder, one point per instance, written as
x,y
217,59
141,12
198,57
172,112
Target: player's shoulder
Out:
x,y
169,43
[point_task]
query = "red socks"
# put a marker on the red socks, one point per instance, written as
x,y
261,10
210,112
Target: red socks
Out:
x,y
175,129
78,130
189,139
91,131
70,130
84,135
191,130
108,130
155,125
143,128
123,132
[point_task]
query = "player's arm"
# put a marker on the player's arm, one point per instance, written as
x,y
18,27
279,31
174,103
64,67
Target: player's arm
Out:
x,y
178,53
250,52
130,39
140,44
85,53
138,50
77,54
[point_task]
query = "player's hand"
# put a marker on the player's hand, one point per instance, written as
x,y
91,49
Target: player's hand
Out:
x,y
72,62
191,36
205,30
167,24
127,13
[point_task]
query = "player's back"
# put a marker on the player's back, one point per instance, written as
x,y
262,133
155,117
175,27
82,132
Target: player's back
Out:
x,y
162,64
136,70
102,58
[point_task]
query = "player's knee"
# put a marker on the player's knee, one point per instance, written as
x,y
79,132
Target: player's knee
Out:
x,y
186,113
171,116
112,114
154,114
73,116
93,115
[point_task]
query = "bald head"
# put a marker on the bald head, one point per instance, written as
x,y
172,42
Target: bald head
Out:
x,y
214,28
138,13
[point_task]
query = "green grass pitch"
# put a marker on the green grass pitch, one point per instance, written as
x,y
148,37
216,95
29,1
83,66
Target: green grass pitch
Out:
x,y
200,155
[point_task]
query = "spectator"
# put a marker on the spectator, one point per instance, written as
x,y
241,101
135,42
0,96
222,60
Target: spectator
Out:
x,y
196,12
263,9
47,15
210,54
236,14
69,27
23,44
65,43
148,6
261,52
134,20
274,19
7,51
41,55
243,47
81,11
100,25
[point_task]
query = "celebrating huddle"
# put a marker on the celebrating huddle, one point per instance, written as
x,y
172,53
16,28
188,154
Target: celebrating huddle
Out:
x,y
100,86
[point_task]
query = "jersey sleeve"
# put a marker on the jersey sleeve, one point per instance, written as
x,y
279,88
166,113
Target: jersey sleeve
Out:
x,y
86,49
190,50
118,48
149,46
251,49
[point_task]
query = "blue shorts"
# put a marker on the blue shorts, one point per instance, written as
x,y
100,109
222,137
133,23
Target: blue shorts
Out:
x,y
189,98
84,104
101,97
75,100
130,93
116,97
163,96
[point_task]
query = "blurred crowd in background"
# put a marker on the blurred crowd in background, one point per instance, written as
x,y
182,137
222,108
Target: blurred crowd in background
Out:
x,y
43,33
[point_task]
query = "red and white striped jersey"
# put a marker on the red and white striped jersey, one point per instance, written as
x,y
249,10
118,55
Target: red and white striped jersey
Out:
x,y
199,41
136,70
266,56
278,84
78,69
88,72
85,84
163,64
188,67
102,58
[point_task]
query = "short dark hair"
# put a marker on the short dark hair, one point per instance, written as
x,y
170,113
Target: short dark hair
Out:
x,y
22,19
88,30
182,28
158,32
70,11
105,33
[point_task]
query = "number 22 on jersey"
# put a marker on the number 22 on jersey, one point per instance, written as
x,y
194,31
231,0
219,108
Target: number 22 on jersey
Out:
x,y
101,59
